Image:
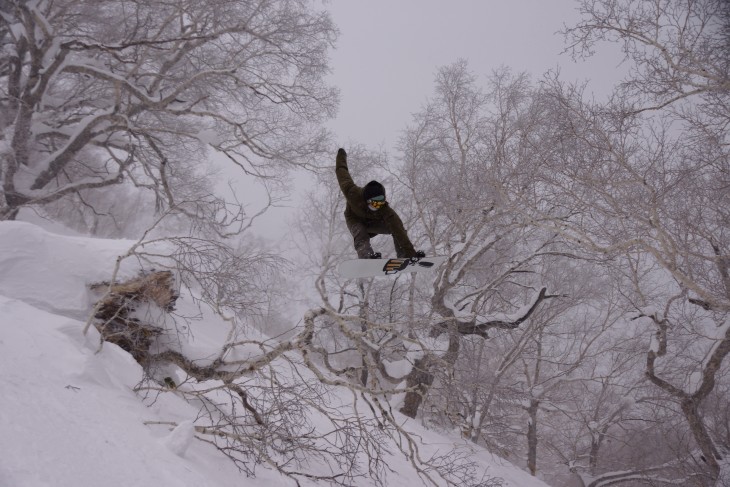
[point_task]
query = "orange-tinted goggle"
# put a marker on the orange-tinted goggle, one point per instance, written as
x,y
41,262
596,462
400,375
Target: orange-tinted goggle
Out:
x,y
377,202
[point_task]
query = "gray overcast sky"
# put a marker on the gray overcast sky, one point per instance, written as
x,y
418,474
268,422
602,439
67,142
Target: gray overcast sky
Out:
x,y
389,51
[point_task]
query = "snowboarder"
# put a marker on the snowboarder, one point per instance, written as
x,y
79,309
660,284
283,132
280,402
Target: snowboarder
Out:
x,y
368,214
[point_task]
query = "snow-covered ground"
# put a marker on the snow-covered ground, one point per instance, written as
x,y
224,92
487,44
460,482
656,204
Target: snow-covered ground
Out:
x,y
68,411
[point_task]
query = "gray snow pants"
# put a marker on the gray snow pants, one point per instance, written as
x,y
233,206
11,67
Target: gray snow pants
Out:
x,y
362,233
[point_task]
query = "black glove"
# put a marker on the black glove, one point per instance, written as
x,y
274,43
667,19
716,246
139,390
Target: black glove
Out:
x,y
341,153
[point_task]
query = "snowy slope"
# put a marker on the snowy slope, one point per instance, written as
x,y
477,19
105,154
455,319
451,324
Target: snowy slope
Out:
x,y
67,408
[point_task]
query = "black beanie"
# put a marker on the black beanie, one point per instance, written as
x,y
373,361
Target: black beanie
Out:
x,y
373,189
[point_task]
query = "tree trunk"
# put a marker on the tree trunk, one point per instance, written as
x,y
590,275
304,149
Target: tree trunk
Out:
x,y
532,436
690,402
363,314
710,455
420,378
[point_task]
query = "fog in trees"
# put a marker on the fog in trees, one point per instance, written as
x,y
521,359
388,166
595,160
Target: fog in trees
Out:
x,y
579,327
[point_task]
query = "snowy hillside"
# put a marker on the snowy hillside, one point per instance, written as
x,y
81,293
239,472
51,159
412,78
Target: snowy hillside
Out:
x,y
69,413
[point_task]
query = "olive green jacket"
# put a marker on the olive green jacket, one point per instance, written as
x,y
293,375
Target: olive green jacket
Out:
x,y
357,210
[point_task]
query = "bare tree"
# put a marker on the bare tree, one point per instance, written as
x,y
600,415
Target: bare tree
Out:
x,y
677,50
316,395
261,401
96,94
460,155
644,183
568,342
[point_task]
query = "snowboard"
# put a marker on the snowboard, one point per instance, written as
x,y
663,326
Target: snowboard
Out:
x,y
387,267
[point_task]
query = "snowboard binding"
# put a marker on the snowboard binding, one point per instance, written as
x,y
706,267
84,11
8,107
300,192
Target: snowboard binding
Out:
x,y
363,268
393,266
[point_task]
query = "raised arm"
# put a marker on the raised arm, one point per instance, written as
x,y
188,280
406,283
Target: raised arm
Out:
x,y
347,185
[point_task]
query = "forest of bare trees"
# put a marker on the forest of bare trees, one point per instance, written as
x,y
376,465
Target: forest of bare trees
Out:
x,y
580,326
